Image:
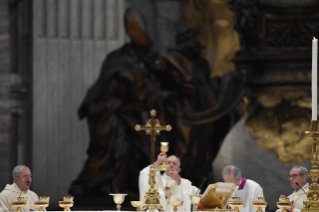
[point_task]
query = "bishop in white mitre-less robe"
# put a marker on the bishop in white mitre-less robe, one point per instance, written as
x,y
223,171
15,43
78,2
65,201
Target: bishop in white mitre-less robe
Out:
x,y
247,191
10,194
297,197
168,189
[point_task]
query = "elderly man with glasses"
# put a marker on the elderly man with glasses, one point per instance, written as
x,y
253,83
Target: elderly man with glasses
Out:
x,y
22,179
298,178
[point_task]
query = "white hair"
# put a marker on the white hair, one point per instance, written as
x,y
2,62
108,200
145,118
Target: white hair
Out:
x,y
16,170
303,171
232,169
179,161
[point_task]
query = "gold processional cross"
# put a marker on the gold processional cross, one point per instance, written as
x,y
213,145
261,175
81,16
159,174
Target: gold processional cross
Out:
x,y
152,128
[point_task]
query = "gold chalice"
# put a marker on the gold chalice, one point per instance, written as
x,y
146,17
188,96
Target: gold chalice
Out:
x,y
175,204
235,202
137,204
66,205
118,199
164,148
42,203
19,205
22,202
195,199
284,203
259,203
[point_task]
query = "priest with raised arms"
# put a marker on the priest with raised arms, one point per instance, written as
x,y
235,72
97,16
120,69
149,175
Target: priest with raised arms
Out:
x,y
22,179
170,185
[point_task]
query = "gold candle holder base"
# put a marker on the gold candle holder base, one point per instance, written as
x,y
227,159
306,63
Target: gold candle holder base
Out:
x,y
311,203
66,205
259,203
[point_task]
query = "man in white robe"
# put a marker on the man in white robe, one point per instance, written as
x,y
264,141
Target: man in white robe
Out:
x,y
170,185
22,179
246,189
300,175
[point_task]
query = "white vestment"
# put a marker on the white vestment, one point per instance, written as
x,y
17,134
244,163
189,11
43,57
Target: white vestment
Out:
x,y
175,191
298,197
247,191
10,194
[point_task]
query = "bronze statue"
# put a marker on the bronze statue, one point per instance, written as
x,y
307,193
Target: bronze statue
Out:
x,y
135,79
120,98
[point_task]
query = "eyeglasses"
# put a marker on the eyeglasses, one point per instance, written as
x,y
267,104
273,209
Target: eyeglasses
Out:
x,y
25,177
294,175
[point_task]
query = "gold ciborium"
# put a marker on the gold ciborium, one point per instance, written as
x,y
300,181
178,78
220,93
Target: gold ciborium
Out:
x,y
259,203
235,202
164,148
137,204
42,203
66,204
195,199
118,199
175,204
22,202
284,203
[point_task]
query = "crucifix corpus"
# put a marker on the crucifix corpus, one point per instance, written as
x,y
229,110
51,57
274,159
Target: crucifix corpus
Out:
x,y
152,128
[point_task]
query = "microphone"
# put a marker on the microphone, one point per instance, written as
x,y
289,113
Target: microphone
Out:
x,y
300,187
23,187
201,185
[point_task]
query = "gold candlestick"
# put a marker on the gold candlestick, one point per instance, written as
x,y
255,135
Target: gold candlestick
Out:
x,y
311,202
164,148
259,203
152,128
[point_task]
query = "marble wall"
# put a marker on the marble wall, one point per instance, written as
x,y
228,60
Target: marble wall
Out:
x,y
70,41
5,97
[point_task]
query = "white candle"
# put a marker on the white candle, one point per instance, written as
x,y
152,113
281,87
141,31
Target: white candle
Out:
x,y
314,83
